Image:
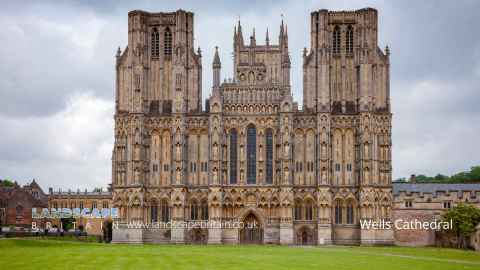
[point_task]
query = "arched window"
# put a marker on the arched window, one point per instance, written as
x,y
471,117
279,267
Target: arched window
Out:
x,y
336,40
338,212
155,43
349,40
269,156
309,210
251,154
350,219
167,45
165,211
233,156
194,210
204,215
297,214
154,213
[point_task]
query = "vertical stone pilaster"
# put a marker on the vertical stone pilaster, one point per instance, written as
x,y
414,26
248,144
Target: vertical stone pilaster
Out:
x,y
177,232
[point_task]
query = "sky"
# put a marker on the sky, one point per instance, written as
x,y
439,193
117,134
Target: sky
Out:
x,y
57,78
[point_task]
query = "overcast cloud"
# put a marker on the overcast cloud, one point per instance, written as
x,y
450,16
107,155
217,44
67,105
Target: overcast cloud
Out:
x,y
57,78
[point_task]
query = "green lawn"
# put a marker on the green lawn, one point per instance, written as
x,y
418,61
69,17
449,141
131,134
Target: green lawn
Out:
x,y
53,254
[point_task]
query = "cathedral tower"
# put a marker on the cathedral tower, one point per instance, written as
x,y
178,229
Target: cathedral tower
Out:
x,y
159,68
346,83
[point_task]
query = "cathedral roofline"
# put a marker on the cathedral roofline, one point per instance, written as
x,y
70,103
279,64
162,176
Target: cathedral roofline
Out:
x,y
367,9
144,12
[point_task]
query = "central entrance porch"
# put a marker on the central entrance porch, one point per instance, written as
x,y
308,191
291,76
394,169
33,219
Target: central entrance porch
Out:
x,y
252,231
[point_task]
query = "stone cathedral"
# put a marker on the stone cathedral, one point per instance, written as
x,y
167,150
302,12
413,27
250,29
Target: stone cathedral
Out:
x,y
250,155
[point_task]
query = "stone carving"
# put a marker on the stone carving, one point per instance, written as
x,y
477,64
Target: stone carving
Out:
x,y
318,156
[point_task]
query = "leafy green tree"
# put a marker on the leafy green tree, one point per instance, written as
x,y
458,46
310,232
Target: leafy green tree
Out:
x,y
67,223
472,176
464,218
475,173
440,177
423,178
7,183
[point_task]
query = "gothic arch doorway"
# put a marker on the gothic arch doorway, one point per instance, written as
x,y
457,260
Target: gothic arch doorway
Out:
x,y
305,236
252,231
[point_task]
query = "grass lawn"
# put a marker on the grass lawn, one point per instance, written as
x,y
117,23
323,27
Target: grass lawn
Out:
x,y
53,254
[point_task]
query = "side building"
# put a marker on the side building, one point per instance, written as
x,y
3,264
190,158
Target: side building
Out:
x,y
427,202
16,203
98,199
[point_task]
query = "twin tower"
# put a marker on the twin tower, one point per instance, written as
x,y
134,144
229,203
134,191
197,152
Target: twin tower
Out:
x,y
304,176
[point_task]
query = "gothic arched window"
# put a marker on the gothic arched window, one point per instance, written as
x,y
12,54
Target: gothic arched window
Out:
x,y
155,43
269,156
338,212
204,215
165,211
297,211
233,156
167,45
309,210
349,40
350,213
251,154
154,213
194,210
336,40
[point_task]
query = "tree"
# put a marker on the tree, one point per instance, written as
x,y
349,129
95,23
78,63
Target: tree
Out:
x,y
423,179
67,223
440,177
6,183
475,173
472,176
464,218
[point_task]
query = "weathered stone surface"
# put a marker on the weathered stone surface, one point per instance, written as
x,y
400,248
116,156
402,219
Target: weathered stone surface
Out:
x,y
304,176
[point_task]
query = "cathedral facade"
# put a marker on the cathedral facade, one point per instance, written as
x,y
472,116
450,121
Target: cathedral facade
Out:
x,y
251,156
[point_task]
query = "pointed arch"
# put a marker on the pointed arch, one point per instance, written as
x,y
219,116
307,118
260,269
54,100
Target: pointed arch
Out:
x,y
167,42
338,211
336,40
194,209
297,210
204,210
233,155
269,156
251,154
349,40
155,43
309,209
350,211
164,210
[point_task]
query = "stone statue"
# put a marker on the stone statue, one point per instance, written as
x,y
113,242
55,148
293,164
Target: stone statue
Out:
x,y
178,151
